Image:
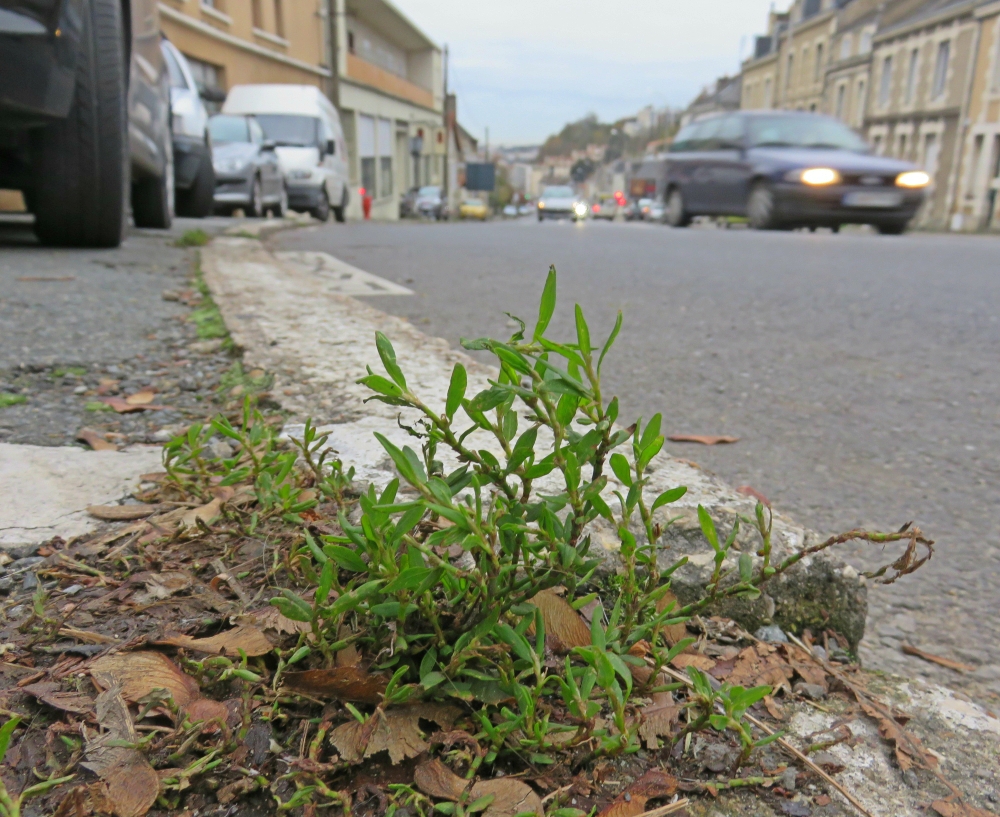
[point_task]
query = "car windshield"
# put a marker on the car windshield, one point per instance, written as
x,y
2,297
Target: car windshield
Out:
x,y
224,128
285,129
558,193
429,191
474,202
803,132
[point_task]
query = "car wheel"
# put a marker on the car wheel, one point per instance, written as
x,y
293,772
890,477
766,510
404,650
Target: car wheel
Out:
x,y
340,211
677,215
197,201
81,162
153,198
321,212
255,208
761,207
891,227
278,210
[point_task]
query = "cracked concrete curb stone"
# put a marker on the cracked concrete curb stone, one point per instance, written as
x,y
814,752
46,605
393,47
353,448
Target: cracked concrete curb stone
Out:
x,y
45,490
291,322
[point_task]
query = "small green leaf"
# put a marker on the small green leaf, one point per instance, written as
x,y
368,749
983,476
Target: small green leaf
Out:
x,y
388,356
292,606
746,567
610,341
325,583
379,384
346,558
622,469
667,497
708,528
409,579
547,305
481,804
456,390
582,332
719,722
5,734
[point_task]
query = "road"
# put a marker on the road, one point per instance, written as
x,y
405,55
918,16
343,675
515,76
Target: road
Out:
x,y
860,373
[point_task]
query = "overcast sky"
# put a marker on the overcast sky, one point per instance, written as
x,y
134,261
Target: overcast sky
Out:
x,y
526,67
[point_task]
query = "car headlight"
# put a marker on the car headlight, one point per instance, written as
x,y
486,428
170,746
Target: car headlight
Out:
x,y
541,205
913,178
580,208
299,174
814,176
230,165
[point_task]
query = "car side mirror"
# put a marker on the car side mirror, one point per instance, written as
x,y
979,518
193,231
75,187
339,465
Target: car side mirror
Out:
x,y
268,145
331,147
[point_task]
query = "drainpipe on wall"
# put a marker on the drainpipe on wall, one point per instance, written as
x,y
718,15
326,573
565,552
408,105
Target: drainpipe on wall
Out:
x,y
950,204
333,26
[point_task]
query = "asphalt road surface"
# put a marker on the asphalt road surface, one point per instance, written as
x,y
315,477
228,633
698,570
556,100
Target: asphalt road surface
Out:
x,y
860,372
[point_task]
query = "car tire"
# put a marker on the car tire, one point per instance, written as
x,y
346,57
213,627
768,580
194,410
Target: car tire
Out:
x,y
255,207
321,212
340,211
891,227
761,208
153,198
81,162
677,215
196,202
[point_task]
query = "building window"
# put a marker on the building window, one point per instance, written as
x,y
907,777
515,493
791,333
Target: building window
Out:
x,y
911,75
866,42
901,153
859,114
877,145
257,14
767,93
886,84
279,19
841,94
788,73
995,87
846,46
350,42
819,63
366,152
385,149
931,154
941,68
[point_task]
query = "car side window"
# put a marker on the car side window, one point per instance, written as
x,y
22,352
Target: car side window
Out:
x,y
708,135
730,135
256,132
174,71
684,139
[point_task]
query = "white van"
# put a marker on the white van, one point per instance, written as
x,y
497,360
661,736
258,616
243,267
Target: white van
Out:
x,y
305,128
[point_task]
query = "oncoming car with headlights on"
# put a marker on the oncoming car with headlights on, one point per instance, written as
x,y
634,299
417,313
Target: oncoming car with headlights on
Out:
x,y
561,201
787,169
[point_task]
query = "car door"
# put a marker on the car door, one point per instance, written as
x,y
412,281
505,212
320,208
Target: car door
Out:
x,y
682,162
270,172
727,168
699,196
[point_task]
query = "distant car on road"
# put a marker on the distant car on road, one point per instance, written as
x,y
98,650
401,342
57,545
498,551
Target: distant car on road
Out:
x,y
604,207
787,169
407,203
84,113
656,213
561,201
510,211
429,203
525,210
474,208
247,172
194,179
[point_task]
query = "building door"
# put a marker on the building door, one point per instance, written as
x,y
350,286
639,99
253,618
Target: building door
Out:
x,y
990,216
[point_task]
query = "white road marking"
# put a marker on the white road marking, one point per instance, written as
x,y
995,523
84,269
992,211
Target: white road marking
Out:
x,y
340,276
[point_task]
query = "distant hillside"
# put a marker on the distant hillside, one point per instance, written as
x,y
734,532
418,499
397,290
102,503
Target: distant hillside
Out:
x,y
576,136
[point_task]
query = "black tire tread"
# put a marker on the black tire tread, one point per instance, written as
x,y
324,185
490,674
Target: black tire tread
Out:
x,y
198,201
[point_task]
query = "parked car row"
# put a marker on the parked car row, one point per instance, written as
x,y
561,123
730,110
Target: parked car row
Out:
x,y
99,117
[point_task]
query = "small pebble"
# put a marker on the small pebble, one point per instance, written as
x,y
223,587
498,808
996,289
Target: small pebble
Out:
x,y
787,779
813,692
772,633
73,589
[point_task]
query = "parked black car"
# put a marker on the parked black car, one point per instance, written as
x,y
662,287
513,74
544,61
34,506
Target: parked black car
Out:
x,y
247,173
76,117
786,169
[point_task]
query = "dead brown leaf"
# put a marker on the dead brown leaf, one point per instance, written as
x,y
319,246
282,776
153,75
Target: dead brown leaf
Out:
x,y
750,491
205,709
141,398
704,439
691,659
51,693
141,672
510,797
953,808
761,665
658,722
909,750
672,632
205,513
95,440
160,586
436,780
86,636
121,513
343,683
271,619
653,784
122,406
396,731
563,625
937,659
245,637
130,784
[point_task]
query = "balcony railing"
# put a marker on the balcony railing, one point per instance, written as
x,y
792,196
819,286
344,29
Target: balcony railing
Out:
x,y
372,75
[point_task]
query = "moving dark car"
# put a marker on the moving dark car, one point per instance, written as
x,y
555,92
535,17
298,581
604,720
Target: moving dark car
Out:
x,y
247,173
78,122
786,169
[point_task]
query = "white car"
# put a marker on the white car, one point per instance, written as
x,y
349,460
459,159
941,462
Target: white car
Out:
x,y
510,211
194,178
561,201
308,138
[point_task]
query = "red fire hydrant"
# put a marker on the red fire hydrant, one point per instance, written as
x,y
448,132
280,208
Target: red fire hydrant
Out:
x,y
366,203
